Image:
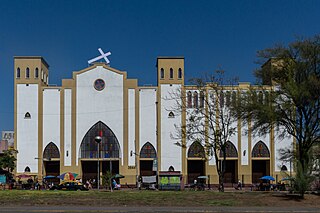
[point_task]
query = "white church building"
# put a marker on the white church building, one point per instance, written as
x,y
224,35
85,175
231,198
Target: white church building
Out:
x,y
55,127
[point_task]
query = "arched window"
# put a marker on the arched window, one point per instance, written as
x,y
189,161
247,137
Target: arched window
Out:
x,y
196,150
162,73
179,73
109,146
148,151
27,115
284,168
18,73
51,151
260,150
171,115
228,98
201,99
221,99
189,99
195,99
36,73
260,98
27,169
231,150
266,98
42,74
171,169
234,98
171,73
27,72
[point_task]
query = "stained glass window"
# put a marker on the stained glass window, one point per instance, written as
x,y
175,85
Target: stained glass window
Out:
x,y
231,150
108,147
196,150
51,151
260,150
148,151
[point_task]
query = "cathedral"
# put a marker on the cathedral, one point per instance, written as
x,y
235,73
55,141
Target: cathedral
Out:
x,y
56,127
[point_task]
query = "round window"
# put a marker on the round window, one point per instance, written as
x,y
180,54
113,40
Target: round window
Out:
x,y
99,84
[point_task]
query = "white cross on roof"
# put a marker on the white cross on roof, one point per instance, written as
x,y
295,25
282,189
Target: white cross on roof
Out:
x,y
103,55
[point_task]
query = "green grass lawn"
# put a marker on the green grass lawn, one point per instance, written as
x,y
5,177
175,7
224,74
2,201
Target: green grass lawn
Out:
x,y
139,198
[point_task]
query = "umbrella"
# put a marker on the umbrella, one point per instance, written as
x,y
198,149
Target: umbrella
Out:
x,y
267,178
117,176
24,176
203,177
49,177
67,176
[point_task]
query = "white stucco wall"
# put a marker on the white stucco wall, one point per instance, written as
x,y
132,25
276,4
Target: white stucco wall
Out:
x,y
132,126
93,106
67,126
27,129
244,145
51,118
148,117
170,153
282,143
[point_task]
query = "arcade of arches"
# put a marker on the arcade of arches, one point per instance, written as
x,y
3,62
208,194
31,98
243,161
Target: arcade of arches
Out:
x,y
109,152
260,162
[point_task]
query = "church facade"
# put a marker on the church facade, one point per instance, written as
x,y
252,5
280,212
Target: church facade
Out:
x,y
56,126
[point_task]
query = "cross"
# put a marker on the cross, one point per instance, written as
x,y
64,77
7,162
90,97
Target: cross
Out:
x,y
103,55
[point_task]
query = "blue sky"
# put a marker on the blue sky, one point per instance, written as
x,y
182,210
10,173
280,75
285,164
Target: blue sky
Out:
x,y
209,34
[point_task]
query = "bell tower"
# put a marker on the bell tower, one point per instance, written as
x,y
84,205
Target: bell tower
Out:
x,y
170,70
31,74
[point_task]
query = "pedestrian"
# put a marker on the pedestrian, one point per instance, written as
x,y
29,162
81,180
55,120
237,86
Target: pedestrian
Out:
x,y
239,185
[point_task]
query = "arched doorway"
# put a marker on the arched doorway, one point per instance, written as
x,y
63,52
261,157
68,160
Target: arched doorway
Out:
x,y
147,155
231,170
260,161
109,152
51,160
196,161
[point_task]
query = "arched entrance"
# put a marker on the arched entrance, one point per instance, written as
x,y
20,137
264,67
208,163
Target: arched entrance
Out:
x,y
196,161
109,152
260,161
231,170
51,160
147,155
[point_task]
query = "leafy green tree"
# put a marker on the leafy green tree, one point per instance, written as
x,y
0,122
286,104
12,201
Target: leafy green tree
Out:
x,y
106,179
293,105
7,161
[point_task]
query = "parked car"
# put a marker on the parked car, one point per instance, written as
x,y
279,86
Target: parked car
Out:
x,y
69,186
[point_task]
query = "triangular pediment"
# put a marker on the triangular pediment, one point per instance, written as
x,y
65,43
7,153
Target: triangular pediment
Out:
x,y
104,65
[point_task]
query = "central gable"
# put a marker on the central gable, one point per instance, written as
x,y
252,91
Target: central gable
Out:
x,y
104,66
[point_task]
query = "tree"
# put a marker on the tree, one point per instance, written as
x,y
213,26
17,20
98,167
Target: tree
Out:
x,y
210,120
7,162
293,106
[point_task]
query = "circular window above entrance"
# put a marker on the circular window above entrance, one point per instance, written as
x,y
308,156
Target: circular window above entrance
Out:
x,y
99,84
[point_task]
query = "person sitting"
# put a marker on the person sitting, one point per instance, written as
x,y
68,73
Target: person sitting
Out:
x,y
115,185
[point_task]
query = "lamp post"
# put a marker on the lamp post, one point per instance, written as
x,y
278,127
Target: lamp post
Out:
x,y
136,163
42,167
98,140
